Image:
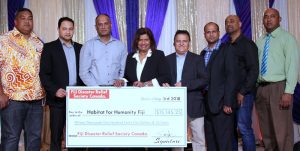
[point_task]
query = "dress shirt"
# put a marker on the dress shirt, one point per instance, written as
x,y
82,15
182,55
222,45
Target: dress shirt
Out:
x,y
179,65
20,66
283,57
71,61
100,63
140,66
209,51
247,55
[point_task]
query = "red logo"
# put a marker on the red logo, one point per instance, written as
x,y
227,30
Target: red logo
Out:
x,y
89,94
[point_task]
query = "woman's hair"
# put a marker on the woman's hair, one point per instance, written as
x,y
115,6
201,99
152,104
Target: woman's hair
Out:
x,y
143,31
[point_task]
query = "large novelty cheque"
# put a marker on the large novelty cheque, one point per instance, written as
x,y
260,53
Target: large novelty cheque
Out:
x,y
126,117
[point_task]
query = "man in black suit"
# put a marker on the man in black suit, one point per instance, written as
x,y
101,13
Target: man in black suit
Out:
x,y
59,68
188,70
220,94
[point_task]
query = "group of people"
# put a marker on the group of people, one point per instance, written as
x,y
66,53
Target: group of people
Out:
x,y
222,82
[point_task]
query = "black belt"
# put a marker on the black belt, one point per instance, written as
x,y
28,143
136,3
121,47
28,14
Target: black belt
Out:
x,y
262,84
27,101
105,85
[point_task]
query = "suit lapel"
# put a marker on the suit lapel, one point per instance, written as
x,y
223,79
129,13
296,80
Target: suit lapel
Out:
x,y
213,56
146,68
77,53
61,54
173,68
133,64
202,55
186,64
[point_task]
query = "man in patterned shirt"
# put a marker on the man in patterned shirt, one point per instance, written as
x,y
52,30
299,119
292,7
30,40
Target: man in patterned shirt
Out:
x,y
21,92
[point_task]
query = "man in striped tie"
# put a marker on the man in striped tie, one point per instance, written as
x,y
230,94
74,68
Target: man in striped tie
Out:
x,y
278,62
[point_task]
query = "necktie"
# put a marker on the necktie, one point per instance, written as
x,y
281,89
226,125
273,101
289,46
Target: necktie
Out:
x,y
263,69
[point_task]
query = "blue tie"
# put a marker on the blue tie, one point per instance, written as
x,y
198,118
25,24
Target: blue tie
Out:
x,y
263,69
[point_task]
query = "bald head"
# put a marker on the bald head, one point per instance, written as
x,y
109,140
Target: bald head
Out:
x,y
273,10
235,17
271,19
213,24
233,25
103,26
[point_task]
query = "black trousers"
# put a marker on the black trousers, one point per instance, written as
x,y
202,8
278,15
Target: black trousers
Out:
x,y
57,123
219,130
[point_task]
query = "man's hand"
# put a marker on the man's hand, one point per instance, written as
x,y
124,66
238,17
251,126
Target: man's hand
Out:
x,y
285,102
61,93
138,84
148,84
119,83
178,84
240,98
227,109
166,85
3,101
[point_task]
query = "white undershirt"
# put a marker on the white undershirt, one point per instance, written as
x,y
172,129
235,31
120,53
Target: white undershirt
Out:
x,y
140,66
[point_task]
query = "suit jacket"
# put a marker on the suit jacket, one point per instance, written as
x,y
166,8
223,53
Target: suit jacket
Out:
x,y
156,66
222,78
193,77
54,71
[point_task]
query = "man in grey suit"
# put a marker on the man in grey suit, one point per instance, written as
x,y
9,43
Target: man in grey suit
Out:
x,y
188,70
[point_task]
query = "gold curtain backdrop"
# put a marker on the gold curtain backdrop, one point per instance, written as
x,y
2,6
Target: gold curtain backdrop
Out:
x,y
46,15
294,18
75,10
3,17
187,20
294,22
120,7
142,12
257,13
192,16
218,11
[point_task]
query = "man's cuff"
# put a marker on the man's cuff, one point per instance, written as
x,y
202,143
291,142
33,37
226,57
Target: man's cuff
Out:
x,y
125,81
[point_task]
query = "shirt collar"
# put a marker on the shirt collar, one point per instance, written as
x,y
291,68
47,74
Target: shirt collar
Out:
x,y
238,39
67,45
136,55
216,46
275,33
110,40
184,55
16,32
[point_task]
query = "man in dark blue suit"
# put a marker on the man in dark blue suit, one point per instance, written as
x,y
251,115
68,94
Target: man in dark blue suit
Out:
x,y
188,70
59,69
220,94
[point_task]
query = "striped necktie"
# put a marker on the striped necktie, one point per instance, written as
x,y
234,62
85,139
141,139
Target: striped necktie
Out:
x,y
263,69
